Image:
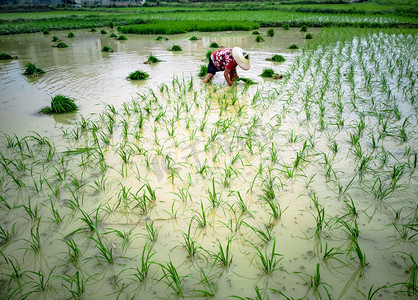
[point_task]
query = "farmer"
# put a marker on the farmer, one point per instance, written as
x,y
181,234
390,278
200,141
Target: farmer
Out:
x,y
227,60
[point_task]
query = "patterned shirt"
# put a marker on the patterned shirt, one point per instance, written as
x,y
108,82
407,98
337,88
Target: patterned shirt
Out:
x,y
223,59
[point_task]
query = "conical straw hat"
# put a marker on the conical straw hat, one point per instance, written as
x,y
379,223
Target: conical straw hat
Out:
x,y
241,57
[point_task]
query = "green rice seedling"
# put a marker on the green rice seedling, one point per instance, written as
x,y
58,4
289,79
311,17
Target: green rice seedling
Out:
x,y
60,104
113,35
267,73
138,75
172,278
201,217
211,286
268,261
175,48
214,198
396,175
265,235
32,213
259,39
61,45
122,38
152,233
191,245
203,71
35,239
70,35
75,284
380,191
208,54
33,70
5,236
74,253
270,32
56,217
224,256
43,284
55,39
276,58
285,26
152,59
5,56
93,30
304,28
309,36
107,49
45,32
193,38
111,25
331,254
105,253
255,32
161,38
125,236
361,257
372,292
141,273
214,45
293,46
351,231
103,31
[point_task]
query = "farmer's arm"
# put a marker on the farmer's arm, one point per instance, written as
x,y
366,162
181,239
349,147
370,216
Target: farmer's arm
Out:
x,y
227,73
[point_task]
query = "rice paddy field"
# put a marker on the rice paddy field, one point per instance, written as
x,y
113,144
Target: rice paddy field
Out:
x,y
303,187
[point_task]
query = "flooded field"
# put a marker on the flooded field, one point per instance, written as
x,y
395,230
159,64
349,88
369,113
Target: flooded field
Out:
x,y
300,188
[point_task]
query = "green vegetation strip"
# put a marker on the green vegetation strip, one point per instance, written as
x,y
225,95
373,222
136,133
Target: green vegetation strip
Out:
x,y
169,27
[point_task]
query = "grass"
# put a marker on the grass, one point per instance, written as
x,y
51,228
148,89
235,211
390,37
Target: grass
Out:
x,y
32,70
277,58
270,32
267,73
138,75
259,39
70,35
176,48
309,36
60,104
203,71
152,59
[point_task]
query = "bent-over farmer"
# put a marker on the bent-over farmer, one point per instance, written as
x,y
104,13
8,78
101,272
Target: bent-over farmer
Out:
x,y
227,60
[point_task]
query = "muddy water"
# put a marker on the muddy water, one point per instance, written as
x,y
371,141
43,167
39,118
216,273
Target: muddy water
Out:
x,y
92,77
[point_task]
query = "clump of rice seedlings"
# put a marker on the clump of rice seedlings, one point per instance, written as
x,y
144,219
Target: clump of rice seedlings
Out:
x,y
268,261
270,32
122,38
138,75
208,54
61,45
45,31
161,38
93,30
60,104
276,58
111,25
173,279
175,48
285,26
194,38
225,255
309,36
5,56
113,35
255,32
259,39
55,39
214,45
293,46
32,70
203,71
103,31
247,81
107,49
152,59
70,35
267,73
304,28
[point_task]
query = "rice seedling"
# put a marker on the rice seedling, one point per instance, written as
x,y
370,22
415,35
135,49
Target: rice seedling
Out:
x,y
35,239
122,38
43,284
152,59
105,253
74,253
276,58
265,235
259,39
61,45
304,28
316,283
224,256
93,30
176,48
270,32
113,35
138,75
75,284
214,198
5,56
309,36
194,38
285,26
268,261
55,39
267,72
210,286
214,45
152,233
161,38
60,104
172,278
32,70
360,255
70,35
103,31
141,273
203,71
107,49
255,32
191,245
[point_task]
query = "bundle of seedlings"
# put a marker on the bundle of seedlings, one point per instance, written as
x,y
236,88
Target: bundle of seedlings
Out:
x,y
138,75
60,104
152,59
32,70
276,58
5,56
